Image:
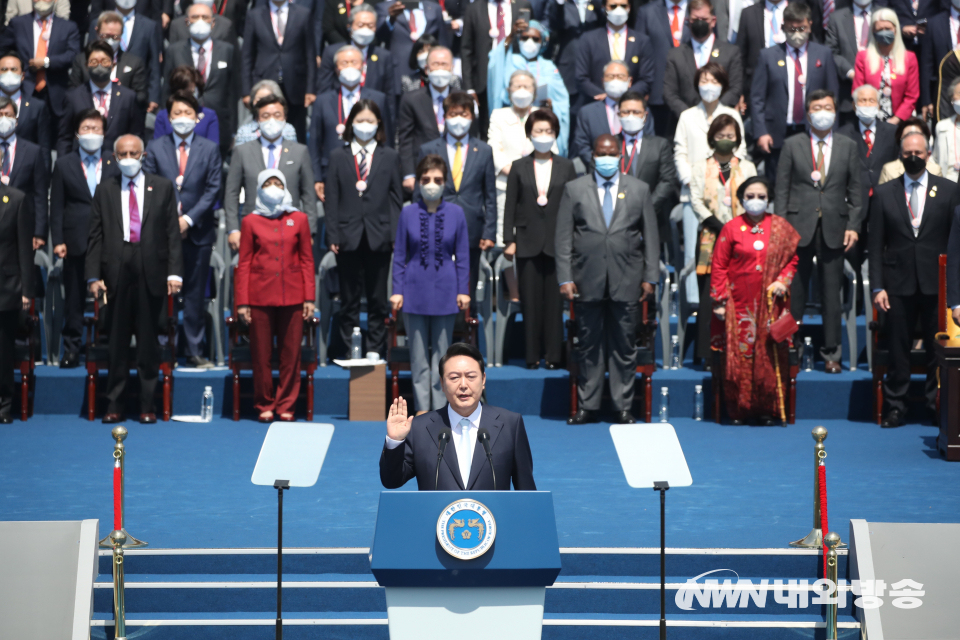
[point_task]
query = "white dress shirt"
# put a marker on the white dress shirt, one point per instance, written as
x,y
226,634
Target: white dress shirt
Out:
x,y
465,438
265,147
207,55
773,12
681,13
954,26
420,20
859,15
94,90
507,20
917,216
827,151
618,46
701,50
630,140
275,14
356,147
736,7
791,76
48,24
349,97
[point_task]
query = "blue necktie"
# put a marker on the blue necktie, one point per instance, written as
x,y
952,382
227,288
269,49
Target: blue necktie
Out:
x,y
271,160
607,203
91,163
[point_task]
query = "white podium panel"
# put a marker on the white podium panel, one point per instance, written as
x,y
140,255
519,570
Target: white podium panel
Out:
x,y
650,453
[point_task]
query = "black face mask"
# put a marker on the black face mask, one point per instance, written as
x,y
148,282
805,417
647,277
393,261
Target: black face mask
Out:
x,y
913,164
699,28
99,74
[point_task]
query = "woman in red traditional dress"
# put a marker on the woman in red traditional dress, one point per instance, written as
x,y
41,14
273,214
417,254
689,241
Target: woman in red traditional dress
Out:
x,y
755,253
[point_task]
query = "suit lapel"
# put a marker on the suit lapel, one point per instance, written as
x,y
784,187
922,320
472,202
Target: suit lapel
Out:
x,y
556,180
930,208
147,199
784,73
642,154
619,201
470,161
79,177
450,453
902,203
18,161
489,420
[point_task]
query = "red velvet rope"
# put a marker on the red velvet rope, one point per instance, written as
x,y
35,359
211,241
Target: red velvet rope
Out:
x,y
824,527
117,497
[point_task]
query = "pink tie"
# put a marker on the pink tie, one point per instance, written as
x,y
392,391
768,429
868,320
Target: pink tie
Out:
x,y
134,214
613,121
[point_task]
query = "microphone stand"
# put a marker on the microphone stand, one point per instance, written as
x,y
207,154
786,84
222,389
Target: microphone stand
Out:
x,y
442,441
483,436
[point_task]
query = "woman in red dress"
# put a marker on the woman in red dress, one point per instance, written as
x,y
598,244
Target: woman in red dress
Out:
x,y
755,253
275,291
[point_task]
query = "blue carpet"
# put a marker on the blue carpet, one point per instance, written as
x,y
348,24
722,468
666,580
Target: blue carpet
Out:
x,y
189,485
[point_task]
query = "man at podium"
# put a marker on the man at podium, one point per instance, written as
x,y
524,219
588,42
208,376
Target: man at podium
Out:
x,y
412,444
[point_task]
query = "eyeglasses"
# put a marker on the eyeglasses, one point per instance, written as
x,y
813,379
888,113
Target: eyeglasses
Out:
x,y
425,180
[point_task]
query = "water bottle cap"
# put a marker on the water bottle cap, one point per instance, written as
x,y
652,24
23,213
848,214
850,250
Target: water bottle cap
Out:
x,y
664,390
674,338
808,340
356,329
208,388
698,388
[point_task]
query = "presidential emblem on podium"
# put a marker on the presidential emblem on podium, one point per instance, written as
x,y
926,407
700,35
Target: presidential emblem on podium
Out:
x,y
466,529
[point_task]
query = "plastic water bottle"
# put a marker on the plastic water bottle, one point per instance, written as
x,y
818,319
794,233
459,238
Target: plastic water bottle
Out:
x,y
674,300
675,352
664,404
206,407
808,354
698,402
355,345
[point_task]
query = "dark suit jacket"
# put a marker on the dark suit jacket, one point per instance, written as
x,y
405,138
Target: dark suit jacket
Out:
x,y
293,65
63,46
885,149
769,95
417,456
654,164
335,24
201,181
934,46
525,222
149,8
70,201
31,174
16,249
680,91
835,203
594,52
925,9
416,126
316,9
350,214
901,264
125,116
652,21
478,189
324,138
222,88
842,40
398,41
131,73
381,72
160,248
146,43
591,122
33,121
476,43
223,28
565,30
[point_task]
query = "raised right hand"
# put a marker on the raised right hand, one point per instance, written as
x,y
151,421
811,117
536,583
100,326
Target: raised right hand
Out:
x,y
398,424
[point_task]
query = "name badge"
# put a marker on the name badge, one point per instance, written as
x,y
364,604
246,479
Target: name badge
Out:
x,y
127,69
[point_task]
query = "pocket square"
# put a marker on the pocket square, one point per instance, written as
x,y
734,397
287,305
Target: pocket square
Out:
x,y
127,69
222,64
289,161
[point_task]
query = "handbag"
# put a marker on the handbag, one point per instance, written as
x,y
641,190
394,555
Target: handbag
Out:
x,y
784,326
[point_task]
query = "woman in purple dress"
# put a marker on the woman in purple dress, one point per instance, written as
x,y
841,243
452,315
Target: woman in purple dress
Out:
x,y
431,275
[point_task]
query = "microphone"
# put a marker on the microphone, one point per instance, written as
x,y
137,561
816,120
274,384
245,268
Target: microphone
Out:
x,y
442,441
483,437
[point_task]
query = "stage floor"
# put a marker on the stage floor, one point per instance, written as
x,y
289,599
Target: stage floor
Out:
x,y
188,485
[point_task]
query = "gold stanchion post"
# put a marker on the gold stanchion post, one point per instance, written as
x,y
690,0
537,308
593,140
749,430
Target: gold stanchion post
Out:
x,y
814,539
117,539
119,433
832,540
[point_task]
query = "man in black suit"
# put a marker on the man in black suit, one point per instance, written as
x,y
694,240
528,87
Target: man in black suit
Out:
x,y
33,115
380,65
217,61
912,28
939,40
24,167
680,91
761,26
847,34
477,42
142,37
665,25
152,9
224,29
911,222
16,290
278,45
420,117
129,70
410,450
75,179
627,46
398,27
568,21
118,104
134,256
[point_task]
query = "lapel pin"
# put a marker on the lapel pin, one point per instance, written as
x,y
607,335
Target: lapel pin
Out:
x,y
149,188
590,7
286,150
342,10
118,93
635,59
108,162
716,53
6,199
475,149
631,39
621,195
373,58
743,227
200,117
893,76
781,63
818,63
26,104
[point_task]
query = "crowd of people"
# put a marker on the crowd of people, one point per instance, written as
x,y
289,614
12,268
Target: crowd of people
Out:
x,y
417,137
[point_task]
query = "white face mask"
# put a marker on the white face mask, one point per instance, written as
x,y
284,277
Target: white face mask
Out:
x,y
867,115
271,196
431,192
200,30
349,76
362,37
440,78
529,49
632,124
7,126
521,98
956,107
458,126
90,142
183,126
615,88
364,130
543,143
10,81
822,120
422,60
114,43
755,207
617,17
271,129
126,4
129,167
862,3
710,92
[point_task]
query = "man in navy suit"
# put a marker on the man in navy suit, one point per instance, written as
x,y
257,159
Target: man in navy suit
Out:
x,y
471,179
141,37
129,70
379,64
398,28
48,57
278,45
23,167
420,115
939,40
33,115
333,108
117,103
785,74
75,179
410,449
152,9
193,164
665,25
616,42
568,21
910,30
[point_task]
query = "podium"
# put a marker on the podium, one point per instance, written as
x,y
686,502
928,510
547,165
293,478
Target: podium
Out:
x,y
473,565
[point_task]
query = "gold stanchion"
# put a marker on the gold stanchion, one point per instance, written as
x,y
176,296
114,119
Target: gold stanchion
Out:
x,y
776,362
119,433
814,539
832,540
117,539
